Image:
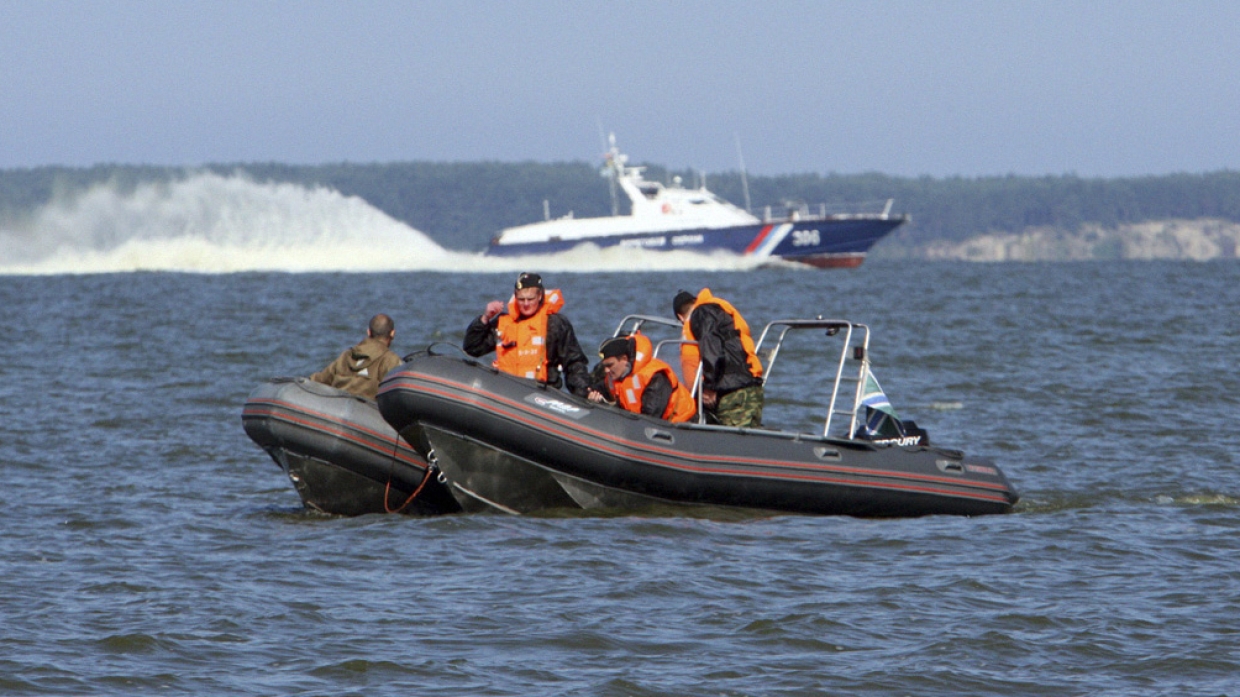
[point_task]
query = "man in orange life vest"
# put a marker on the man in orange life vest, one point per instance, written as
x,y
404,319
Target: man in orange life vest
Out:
x,y
641,383
531,339
731,372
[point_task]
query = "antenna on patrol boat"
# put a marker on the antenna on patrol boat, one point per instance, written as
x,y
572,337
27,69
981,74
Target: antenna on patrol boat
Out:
x,y
609,170
744,179
617,171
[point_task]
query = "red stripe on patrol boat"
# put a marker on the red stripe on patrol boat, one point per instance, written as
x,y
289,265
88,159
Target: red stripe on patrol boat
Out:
x,y
757,241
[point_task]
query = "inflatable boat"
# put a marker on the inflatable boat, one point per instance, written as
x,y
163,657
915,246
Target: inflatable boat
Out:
x,y
514,445
340,454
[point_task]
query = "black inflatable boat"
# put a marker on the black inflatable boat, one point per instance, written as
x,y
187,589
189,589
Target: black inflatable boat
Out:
x,y
514,445
340,454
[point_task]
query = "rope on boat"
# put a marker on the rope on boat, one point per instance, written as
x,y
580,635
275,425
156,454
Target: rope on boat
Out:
x,y
431,470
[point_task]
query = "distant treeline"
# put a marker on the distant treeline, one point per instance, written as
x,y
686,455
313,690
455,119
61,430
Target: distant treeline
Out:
x,y
461,205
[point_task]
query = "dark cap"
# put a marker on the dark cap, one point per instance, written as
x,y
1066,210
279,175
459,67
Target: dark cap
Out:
x,y
683,298
616,347
529,280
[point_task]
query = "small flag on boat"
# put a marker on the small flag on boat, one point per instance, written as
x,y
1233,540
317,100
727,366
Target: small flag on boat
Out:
x,y
881,420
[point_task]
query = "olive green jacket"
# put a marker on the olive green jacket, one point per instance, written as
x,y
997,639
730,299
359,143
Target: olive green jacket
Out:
x,y
359,369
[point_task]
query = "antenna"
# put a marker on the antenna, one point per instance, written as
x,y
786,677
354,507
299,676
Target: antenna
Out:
x,y
610,168
744,178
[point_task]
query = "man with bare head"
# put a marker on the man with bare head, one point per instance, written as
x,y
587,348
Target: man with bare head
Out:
x,y
360,369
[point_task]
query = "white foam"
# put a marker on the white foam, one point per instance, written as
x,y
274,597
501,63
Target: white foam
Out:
x,y
208,223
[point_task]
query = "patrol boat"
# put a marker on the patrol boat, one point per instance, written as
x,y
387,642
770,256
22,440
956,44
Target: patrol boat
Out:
x,y
514,445
339,453
671,218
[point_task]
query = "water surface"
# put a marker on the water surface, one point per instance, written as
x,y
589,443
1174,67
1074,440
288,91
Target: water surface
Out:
x,y
150,547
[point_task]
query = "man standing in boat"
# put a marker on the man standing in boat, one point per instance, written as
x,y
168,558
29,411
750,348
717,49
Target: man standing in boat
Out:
x,y
359,369
641,383
531,339
731,372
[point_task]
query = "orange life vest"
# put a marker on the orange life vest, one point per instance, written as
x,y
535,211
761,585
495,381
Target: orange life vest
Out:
x,y
690,357
521,343
628,392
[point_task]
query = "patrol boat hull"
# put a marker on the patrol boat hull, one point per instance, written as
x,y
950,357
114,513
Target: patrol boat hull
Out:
x,y
823,243
513,445
670,217
339,453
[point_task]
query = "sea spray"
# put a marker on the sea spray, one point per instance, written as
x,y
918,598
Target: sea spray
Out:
x,y
209,223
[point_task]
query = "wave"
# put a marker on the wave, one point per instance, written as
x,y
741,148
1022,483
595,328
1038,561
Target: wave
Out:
x,y
209,223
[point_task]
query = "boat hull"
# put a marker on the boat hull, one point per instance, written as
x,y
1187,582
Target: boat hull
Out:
x,y
514,445
824,243
339,453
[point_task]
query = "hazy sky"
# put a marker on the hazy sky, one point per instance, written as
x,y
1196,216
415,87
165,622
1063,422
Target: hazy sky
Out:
x,y
1095,87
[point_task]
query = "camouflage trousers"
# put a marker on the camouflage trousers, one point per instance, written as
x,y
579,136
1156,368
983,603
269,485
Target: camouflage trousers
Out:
x,y
742,408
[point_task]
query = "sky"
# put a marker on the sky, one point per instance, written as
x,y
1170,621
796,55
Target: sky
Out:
x,y
1097,88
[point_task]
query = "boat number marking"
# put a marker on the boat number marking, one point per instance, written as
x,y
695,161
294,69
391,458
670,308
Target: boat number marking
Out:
x,y
805,238
557,406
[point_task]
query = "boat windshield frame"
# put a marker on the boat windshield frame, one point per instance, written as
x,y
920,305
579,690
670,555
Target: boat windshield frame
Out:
x,y
623,329
855,348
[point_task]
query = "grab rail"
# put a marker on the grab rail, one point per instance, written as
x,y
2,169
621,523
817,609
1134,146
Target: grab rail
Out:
x,y
855,352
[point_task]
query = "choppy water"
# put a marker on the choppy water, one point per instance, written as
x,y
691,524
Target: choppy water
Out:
x,y
148,547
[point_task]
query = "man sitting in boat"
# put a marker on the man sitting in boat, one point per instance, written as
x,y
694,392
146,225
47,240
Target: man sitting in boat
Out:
x,y
531,339
731,372
641,383
359,369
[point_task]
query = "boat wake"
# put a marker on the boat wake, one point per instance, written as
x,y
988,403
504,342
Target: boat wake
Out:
x,y
208,223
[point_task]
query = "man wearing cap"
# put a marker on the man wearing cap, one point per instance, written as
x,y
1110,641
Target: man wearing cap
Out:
x,y
530,338
359,369
641,383
731,372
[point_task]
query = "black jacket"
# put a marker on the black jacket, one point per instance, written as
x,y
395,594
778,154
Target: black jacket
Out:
x,y
564,354
656,396
725,367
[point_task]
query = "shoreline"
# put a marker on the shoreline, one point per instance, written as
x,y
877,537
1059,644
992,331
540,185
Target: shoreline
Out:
x,y
1197,240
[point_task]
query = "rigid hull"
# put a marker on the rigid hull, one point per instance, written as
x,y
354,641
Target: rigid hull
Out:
x,y
823,243
669,216
512,445
340,454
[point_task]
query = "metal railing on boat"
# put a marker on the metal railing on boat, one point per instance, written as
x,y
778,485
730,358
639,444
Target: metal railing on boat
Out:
x,y
854,353
797,210
850,368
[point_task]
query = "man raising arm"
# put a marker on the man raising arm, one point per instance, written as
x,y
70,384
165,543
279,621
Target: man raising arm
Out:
x,y
530,338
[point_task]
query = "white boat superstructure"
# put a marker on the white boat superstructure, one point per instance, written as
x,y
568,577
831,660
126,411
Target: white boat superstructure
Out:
x,y
668,217
654,208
